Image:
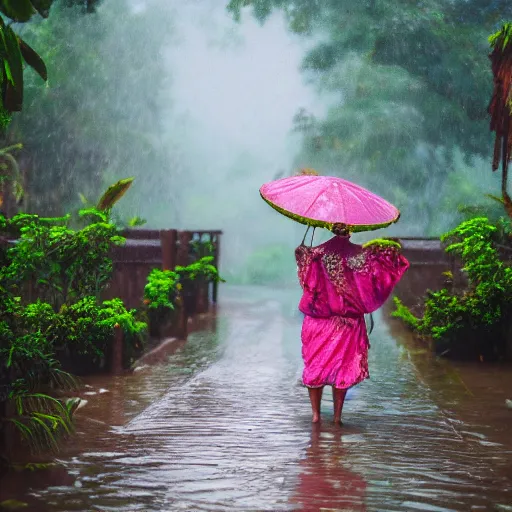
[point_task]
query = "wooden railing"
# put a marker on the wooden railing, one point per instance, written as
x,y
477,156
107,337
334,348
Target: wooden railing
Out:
x,y
148,249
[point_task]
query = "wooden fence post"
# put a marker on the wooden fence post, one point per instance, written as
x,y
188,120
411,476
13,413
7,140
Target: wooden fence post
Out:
x,y
117,351
183,251
202,284
182,259
168,239
5,387
216,256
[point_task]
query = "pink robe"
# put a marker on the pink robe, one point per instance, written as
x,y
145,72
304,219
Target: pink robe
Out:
x,y
342,281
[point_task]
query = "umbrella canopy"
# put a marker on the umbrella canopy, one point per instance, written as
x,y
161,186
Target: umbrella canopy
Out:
x,y
322,201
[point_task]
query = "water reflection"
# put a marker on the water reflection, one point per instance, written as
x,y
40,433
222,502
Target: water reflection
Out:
x,y
326,481
220,425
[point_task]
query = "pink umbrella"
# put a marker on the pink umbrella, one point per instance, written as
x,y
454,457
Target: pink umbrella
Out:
x,y
322,201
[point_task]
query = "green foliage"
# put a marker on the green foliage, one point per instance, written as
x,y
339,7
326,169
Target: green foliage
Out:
x,y
63,264
164,286
35,336
67,325
14,50
201,248
87,327
484,304
201,269
113,194
40,419
161,289
502,37
90,125
408,89
382,243
404,313
26,349
136,221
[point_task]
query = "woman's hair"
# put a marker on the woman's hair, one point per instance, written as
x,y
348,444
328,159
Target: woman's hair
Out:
x,y
340,229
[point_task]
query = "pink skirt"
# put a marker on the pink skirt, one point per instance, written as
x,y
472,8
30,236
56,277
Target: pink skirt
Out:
x,y
335,351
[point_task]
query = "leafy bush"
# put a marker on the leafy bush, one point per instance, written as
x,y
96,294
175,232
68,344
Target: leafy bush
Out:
x,y
62,264
87,327
28,358
65,268
201,269
161,289
200,248
484,306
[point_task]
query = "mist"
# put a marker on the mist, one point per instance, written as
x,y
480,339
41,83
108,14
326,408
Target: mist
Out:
x,y
201,110
237,88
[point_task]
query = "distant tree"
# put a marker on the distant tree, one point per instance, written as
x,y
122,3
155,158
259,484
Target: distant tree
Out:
x,y
100,117
88,5
408,85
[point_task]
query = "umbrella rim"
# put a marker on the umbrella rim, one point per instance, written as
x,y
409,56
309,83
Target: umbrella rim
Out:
x,y
353,228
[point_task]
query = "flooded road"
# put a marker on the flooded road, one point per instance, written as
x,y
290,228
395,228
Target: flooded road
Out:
x,y
223,425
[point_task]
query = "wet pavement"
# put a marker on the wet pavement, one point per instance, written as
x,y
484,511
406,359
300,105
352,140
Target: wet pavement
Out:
x,y
222,425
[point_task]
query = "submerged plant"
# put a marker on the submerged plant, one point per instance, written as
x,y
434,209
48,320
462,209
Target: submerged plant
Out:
x,y
40,419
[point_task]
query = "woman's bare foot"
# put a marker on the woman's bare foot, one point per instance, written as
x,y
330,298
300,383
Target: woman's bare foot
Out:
x,y
339,399
337,421
315,395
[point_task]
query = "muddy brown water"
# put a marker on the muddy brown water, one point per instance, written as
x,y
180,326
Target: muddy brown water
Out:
x,y
221,424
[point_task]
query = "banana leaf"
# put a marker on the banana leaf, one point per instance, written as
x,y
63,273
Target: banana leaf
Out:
x,y
17,10
13,66
114,193
33,59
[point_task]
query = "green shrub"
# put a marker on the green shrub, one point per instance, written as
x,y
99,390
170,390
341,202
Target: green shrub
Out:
x,y
201,269
484,304
161,289
62,264
87,327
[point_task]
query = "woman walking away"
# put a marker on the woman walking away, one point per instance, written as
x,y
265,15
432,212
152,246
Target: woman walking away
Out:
x,y
341,281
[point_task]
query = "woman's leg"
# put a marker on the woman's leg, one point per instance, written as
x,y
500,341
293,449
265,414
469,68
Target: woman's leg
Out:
x,y
315,396
339,399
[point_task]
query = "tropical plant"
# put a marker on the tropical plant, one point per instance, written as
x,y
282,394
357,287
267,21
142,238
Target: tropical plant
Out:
x,y
28,356
500,108
90,125
14,51
112,195
61,263
162,289
483,307
40,419
201,269
83,334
